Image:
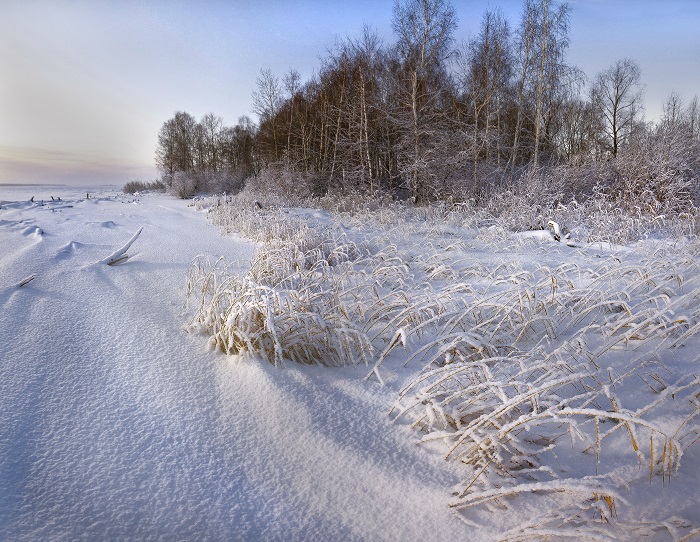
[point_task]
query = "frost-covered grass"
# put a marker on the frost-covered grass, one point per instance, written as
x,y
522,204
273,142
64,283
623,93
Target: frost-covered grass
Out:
x,y
558,379
566,375
279,310
556,382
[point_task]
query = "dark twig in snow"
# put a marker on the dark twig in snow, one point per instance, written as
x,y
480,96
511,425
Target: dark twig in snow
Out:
x,y
26,280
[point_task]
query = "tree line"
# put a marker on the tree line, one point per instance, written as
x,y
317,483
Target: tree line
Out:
x,y
425,118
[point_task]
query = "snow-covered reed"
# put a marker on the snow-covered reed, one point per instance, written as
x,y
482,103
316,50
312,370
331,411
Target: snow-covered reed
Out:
x,y
566,383
287,306
531,385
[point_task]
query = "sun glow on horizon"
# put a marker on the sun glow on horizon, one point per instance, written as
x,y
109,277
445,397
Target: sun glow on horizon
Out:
x,y
35,165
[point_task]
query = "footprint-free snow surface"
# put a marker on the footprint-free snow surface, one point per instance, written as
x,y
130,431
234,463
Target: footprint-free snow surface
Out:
x,y
115,424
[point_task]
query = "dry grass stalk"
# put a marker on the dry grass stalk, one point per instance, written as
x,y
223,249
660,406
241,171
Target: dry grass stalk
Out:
x,y
522,367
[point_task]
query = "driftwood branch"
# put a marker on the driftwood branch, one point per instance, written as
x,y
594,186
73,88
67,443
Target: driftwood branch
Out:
x,y
120,255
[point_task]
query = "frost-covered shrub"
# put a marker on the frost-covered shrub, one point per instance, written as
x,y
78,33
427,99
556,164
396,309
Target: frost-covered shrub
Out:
x,y
183,185
278,185
655,175
223,181
138,186
592,207
643,193
134,186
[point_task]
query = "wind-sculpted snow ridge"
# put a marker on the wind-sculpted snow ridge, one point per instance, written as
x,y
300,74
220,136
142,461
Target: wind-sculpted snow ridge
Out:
x,y
562,379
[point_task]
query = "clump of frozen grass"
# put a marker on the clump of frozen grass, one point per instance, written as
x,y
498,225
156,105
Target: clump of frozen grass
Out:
x,y
311,295
595,218
297,317
524,385
291,304
261,225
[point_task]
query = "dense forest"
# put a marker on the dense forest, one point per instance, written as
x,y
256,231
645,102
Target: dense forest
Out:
x,y
426,118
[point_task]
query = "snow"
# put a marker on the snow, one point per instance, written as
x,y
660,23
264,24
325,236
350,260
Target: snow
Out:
x,y
118,424
115,424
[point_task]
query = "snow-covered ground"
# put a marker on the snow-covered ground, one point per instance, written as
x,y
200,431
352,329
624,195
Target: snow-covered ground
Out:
x,y
117,424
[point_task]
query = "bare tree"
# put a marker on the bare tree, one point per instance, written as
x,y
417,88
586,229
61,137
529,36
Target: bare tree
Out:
x,y
616,95
575,131
211,127
176,144
484,69
425,29
543,37
266,103
335,82
553,26
682,119
292,82
367,56
524,55
692,114
493,67
672,110
237,147
165,150
199,148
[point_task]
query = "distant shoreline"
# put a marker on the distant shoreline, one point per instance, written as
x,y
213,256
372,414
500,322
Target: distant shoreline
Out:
x,y
26,191
89,187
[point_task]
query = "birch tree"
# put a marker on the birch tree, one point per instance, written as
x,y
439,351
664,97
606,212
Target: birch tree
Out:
x,y
484,69
211,126
543,37
292,82
425,29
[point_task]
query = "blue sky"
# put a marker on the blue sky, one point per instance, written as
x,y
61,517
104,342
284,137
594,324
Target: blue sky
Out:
x,y
86,85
